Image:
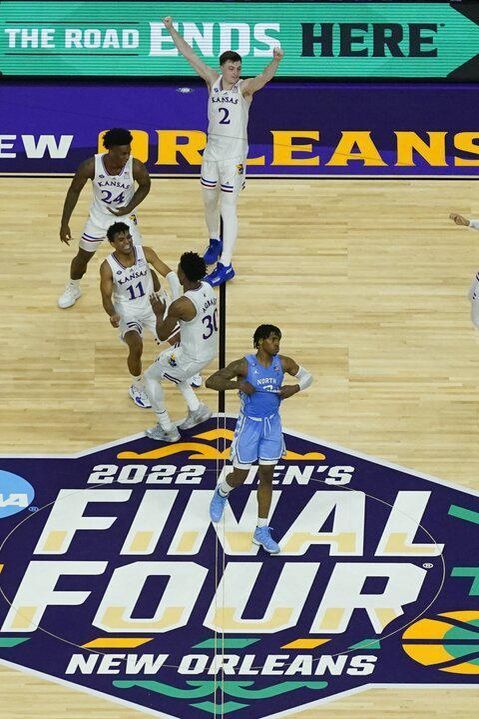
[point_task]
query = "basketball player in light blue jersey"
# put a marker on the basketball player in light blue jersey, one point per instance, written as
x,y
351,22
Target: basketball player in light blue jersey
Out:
x,y
224,159
113,175
258,434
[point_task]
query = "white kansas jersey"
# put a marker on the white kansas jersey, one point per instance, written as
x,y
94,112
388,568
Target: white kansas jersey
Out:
x,y
110,191
199,336
132,286
227,123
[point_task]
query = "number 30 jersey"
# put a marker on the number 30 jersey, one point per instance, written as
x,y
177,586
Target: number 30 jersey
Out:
x,y
199,336
132,286
110,191
227,124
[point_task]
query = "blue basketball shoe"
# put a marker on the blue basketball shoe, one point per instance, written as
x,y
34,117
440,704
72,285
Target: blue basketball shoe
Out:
x,y
220,275
262,537
217,505
215,248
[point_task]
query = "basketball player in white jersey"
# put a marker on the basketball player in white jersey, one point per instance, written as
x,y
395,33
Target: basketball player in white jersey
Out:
x,y
113,175
126,286
224,158
197,314
474,291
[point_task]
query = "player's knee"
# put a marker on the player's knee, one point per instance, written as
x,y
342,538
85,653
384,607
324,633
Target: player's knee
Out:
x,y
135,344
83,257
228,201
210,197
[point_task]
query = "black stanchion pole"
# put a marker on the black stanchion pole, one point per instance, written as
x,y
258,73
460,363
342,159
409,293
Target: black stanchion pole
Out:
x,y
222,331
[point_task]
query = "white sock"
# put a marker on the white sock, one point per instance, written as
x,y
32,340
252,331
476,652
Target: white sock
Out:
x,y
212,213
164,421
75,283
138,380
262,522
224,488
230,226
190,398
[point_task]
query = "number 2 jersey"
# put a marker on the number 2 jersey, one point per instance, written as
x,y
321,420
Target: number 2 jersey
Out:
x,y
110,191
227,123
199,336
132,286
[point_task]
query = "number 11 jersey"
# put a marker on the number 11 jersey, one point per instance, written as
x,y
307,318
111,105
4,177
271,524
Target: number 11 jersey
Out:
x,y
110,191
132,286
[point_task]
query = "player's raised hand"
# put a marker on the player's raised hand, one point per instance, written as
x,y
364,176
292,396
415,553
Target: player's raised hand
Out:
x,y
168,22
65,234
459,219
278,53
157,305
115,320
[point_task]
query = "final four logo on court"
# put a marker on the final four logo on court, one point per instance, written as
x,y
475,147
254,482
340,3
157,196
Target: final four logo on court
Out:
x,y
115,580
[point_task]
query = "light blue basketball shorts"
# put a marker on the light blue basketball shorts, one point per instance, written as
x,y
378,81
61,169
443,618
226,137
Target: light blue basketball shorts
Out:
x,y
257,440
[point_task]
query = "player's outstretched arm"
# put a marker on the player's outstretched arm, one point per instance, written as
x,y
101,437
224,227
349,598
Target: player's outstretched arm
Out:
x,y
459,219
231,377
303,377
85,172
207,73
153,260
106,289
253,84
142,177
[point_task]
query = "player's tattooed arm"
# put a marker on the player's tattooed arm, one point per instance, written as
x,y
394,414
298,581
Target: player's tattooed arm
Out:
x,y
303,377
231,377
86,171
106,289
204,71
253,84
153,259
141,175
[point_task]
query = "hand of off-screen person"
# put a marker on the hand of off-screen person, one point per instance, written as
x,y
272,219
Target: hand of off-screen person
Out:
x,y
65,234
115,320
287,390
157,305
168,21
246,387
278,53
459,219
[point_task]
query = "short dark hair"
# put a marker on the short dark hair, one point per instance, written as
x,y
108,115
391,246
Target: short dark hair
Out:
x,y
116,227
117,136
193,266
263,332
229,55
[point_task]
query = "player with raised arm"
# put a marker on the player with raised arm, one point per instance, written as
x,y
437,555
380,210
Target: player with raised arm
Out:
x,y
224,159
474,290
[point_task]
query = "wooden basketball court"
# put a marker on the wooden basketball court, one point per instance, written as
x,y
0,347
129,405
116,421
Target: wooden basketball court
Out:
x,y
368,281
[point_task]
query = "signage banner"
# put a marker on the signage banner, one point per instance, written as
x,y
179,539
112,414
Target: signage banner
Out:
x,y
299,130
323,39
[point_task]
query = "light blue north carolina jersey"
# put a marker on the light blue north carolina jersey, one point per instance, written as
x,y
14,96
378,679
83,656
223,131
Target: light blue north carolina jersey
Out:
x,y
267,382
